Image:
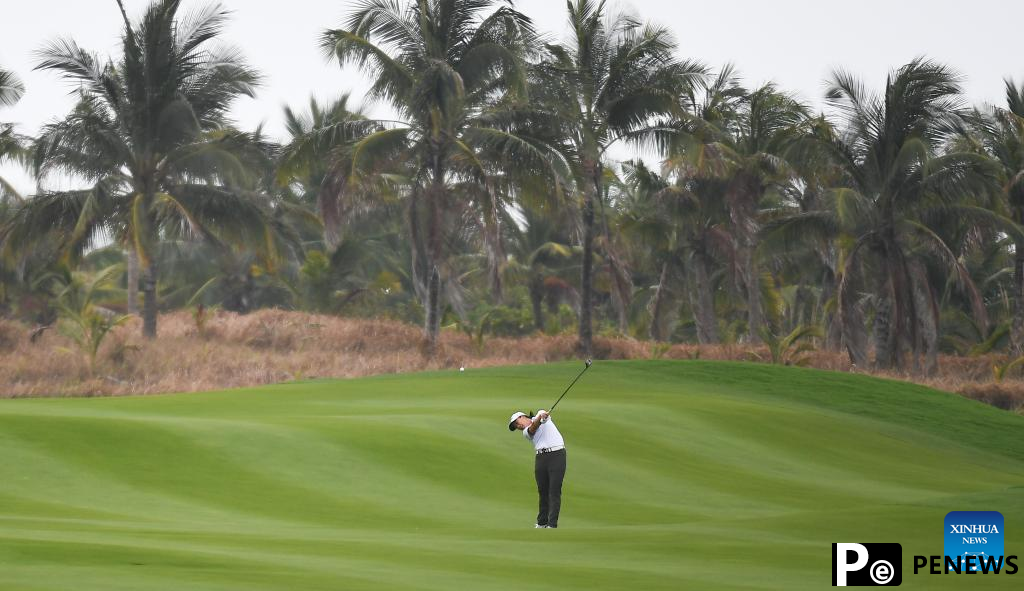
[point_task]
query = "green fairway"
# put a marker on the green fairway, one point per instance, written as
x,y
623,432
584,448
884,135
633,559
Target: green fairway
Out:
x,y
681,475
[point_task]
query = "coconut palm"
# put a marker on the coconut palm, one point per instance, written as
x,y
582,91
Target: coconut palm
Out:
x,y
316,161
614,268
449,68
11,88
18,278
684,224
1002,136
539,253
899,183
645,222
12,145
149,132
608,82
693,205
769,121
741,138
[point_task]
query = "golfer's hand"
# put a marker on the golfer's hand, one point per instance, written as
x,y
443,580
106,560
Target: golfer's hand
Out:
x,y
542,415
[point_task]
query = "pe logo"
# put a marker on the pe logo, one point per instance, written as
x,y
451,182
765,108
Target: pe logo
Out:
x,y
867,565
975,538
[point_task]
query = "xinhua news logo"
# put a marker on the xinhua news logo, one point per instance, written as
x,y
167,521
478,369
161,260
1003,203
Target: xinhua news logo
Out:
x,y
974,537
867,565
973,545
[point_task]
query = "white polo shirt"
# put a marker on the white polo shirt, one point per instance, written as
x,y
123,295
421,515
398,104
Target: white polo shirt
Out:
x,y
547,435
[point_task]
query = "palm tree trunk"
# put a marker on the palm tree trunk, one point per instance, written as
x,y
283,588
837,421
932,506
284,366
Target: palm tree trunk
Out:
x,y
622,282
853,332
896,328
1017,329
328,203
149,307
495,250
833,326
904,317
495,260
703,300
927,320
884,329
435,211
433,321
833,334
132,279
752,283
660,306
420,273
586,328
849,312
743,196
147,237
586,280
621,299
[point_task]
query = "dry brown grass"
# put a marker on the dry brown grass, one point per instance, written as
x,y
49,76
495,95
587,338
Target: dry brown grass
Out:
x,y
271,346
11,335
1002,395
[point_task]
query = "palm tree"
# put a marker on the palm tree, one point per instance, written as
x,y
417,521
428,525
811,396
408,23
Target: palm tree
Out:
x,y
768,123
684,224
316,161
812,272
450,69
607,83
539,251
11,144
646,222
693,205
1002,137
149,133
899,182
11,88
614,266
741,138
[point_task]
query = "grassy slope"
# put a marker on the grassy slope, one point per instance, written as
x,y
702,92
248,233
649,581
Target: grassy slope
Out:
x,y
681,474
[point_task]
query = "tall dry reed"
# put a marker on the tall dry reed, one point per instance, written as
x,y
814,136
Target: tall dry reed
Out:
x,y
269,346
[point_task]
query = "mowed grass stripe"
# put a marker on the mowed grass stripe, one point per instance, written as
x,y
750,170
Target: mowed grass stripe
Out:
x,y
690,475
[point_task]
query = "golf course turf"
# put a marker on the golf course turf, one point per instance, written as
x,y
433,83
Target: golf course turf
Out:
x,y
681,475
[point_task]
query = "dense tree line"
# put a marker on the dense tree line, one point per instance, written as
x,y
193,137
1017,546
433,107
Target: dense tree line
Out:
x,y
888,226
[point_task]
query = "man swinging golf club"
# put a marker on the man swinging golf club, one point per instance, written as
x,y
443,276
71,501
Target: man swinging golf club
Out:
x,y
549,463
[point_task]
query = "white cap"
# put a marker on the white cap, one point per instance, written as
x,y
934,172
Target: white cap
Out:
x,y
512,420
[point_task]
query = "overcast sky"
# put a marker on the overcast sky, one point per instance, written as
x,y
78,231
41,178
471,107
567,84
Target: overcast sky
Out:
x,y
795,43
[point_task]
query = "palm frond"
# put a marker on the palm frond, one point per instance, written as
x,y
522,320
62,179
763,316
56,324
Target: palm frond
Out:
x,y
11,88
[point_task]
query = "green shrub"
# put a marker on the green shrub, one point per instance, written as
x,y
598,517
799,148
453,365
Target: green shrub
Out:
x,y
81,321
564,320
317,283
505,321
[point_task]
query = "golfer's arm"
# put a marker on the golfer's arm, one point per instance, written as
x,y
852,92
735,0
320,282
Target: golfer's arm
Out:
x,y
532,429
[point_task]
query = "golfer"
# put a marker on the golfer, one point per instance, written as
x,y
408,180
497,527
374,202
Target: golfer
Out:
x,y
549,465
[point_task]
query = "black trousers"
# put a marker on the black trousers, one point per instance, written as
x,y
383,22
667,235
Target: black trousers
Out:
x,y
549,469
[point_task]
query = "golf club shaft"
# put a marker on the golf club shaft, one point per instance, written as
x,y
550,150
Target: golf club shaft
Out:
x,y
585,368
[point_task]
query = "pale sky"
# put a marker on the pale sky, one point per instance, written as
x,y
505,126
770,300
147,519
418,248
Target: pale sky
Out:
x,y
795,43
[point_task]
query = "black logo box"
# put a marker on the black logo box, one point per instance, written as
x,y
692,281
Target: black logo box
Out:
x,y
891,553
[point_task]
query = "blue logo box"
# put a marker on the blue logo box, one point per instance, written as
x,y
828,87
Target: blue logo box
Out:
x,y
974,533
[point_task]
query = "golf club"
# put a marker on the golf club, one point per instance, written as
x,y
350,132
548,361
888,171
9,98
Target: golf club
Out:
x,y
585,368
